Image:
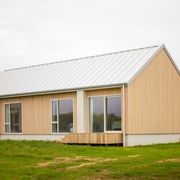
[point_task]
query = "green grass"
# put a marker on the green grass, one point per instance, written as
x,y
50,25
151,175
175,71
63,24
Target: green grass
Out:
x,y
52,160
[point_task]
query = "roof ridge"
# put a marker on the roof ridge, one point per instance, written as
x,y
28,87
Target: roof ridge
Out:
x,y
76,59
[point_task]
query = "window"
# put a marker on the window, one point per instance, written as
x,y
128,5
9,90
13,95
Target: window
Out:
x,y
62,115
13,118
105,113
97,114
54,116
113,113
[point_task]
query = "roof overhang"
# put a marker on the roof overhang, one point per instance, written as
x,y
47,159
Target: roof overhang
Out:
x,y
109,86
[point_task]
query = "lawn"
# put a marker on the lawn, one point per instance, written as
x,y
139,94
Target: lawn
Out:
x,y
52,160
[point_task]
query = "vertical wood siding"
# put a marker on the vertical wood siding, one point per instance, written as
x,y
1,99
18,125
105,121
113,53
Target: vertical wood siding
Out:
x,y
154,99
103,92
36,112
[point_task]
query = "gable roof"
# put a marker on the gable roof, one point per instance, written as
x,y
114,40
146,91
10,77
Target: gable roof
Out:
x,y
111,69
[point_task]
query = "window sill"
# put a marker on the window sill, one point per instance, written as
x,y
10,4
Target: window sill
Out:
x,y
60,133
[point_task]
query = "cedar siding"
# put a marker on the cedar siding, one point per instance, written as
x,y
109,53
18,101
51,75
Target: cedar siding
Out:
x,y
154,99
36,112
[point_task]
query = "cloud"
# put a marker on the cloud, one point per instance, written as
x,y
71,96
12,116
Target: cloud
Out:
x,y
38,31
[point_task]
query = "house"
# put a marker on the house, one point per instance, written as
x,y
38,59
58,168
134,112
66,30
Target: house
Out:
x,y
128,97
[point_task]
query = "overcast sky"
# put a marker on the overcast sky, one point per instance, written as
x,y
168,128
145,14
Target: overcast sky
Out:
x,y
41,31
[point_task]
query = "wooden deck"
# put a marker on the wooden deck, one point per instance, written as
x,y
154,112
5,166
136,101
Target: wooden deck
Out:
x,y
93,138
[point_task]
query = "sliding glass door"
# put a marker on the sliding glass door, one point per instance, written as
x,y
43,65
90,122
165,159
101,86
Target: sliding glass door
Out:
x,y
105,113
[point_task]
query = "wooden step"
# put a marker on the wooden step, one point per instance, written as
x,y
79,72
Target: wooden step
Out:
x,y
92,138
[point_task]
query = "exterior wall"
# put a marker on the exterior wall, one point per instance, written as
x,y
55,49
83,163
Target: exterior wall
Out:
x,y
103,92
153,104
46,137
81,111
125,118
144,139
36,112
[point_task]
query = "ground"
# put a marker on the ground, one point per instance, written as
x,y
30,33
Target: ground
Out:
x,y
52,160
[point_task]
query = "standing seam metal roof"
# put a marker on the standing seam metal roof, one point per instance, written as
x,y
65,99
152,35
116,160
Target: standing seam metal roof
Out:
x,y
101,70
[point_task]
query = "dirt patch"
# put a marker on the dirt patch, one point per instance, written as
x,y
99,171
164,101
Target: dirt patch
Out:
x,y
54,161
92,162
86,161
46,164
134,155
168,160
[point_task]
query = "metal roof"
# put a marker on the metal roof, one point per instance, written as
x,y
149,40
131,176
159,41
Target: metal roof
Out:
x,y
102,70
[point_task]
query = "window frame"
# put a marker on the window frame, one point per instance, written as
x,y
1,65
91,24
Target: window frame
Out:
x,y
52,122
9,103
58,99
105,112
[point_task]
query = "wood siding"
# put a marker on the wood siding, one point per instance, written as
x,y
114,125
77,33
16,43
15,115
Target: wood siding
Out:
x,y
153,103
36,112
103,92
93,138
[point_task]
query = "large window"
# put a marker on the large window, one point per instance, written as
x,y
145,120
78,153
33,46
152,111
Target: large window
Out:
x,y
62,115
113,113
105,113
13,118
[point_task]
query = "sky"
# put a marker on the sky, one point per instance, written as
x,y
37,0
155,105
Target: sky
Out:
x,y
42,31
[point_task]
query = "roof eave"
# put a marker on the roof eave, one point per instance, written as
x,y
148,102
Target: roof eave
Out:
x,y
62,90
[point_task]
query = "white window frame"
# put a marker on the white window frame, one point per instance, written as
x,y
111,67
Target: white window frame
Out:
x,y
10,117
104,104
54,122
58,115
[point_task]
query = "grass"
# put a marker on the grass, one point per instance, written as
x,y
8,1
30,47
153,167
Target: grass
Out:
x,y
52,160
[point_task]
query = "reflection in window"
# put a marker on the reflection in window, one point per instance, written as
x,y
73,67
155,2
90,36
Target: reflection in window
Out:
x,y
54,111
66,115
62,115
97,114
13,122
113,112
105,111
